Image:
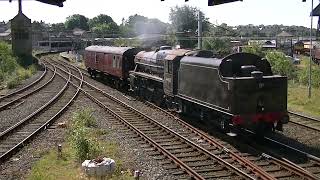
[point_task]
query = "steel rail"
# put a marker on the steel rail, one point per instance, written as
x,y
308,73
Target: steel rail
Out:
x,y
254,168
288,164
305,117
6,105
28,118
181,164
208,153
26,87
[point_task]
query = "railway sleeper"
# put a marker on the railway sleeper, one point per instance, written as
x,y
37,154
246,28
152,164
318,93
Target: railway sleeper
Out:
x,y
182,146
178,151
286,174
165,140
195,159
188,155
219,175
174,143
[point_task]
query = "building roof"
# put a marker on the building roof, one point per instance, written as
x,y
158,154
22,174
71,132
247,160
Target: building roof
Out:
x,y
284,34
316,11
78,32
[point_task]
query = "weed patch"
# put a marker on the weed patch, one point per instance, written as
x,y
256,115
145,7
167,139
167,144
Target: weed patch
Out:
x,y
84,142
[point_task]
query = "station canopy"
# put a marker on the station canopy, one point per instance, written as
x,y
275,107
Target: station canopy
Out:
x,y
217,2
53,2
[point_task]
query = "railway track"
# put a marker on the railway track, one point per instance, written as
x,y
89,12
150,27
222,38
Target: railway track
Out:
x,y
305,121
18,95
23,131
144,126
277,167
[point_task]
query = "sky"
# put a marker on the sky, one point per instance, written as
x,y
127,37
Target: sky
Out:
x,y
267,12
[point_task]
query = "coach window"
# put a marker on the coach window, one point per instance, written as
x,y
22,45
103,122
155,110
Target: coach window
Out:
x,y
118,62
114,63
95,57
170,67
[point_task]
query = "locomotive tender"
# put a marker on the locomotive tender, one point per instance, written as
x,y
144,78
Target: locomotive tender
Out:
x,y
238,90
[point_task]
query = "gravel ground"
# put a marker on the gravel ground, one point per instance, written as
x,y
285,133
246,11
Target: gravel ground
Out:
x,y
134,156
30,104
18,166
132,150
300,137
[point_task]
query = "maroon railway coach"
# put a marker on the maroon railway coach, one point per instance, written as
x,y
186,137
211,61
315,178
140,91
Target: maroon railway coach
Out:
x,y
114,63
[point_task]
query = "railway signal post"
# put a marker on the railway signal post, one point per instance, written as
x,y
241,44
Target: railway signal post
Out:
x,y
21,29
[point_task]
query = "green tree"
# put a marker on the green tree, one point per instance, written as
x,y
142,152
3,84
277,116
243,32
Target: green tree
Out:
x,y
106,30
185,24
58,27
280,64
221,46
77,21
104,26
185,18
100,19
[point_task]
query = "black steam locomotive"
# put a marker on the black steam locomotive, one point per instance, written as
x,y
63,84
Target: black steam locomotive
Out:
x,y
236,91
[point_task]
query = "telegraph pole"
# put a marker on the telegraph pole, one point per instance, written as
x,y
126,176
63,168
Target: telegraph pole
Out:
x,y
199,30
311,48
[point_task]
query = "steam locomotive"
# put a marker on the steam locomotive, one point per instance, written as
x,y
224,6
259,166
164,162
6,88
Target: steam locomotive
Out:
x,y
237,91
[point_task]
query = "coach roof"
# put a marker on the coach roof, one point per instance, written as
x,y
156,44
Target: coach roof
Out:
x,y
108,49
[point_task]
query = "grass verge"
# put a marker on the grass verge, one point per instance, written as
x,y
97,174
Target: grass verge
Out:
x,y
77,149
298,100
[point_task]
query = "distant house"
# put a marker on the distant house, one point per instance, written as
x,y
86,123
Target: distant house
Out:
x,y
6,35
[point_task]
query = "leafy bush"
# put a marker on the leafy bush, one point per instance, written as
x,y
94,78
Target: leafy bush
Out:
x,y
12,82
280,64
8,63
85,146
221,46
254,49
11,73
315,75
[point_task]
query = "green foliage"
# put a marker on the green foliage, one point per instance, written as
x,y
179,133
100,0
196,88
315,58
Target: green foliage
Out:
x,y
128,42
100,19
254,49
103,26
185,19
221,46
315,74
58,27
185,24
106,30
77,21
8,63
221,31
280,64
11,73
83,118
298,100
85,146
12,82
